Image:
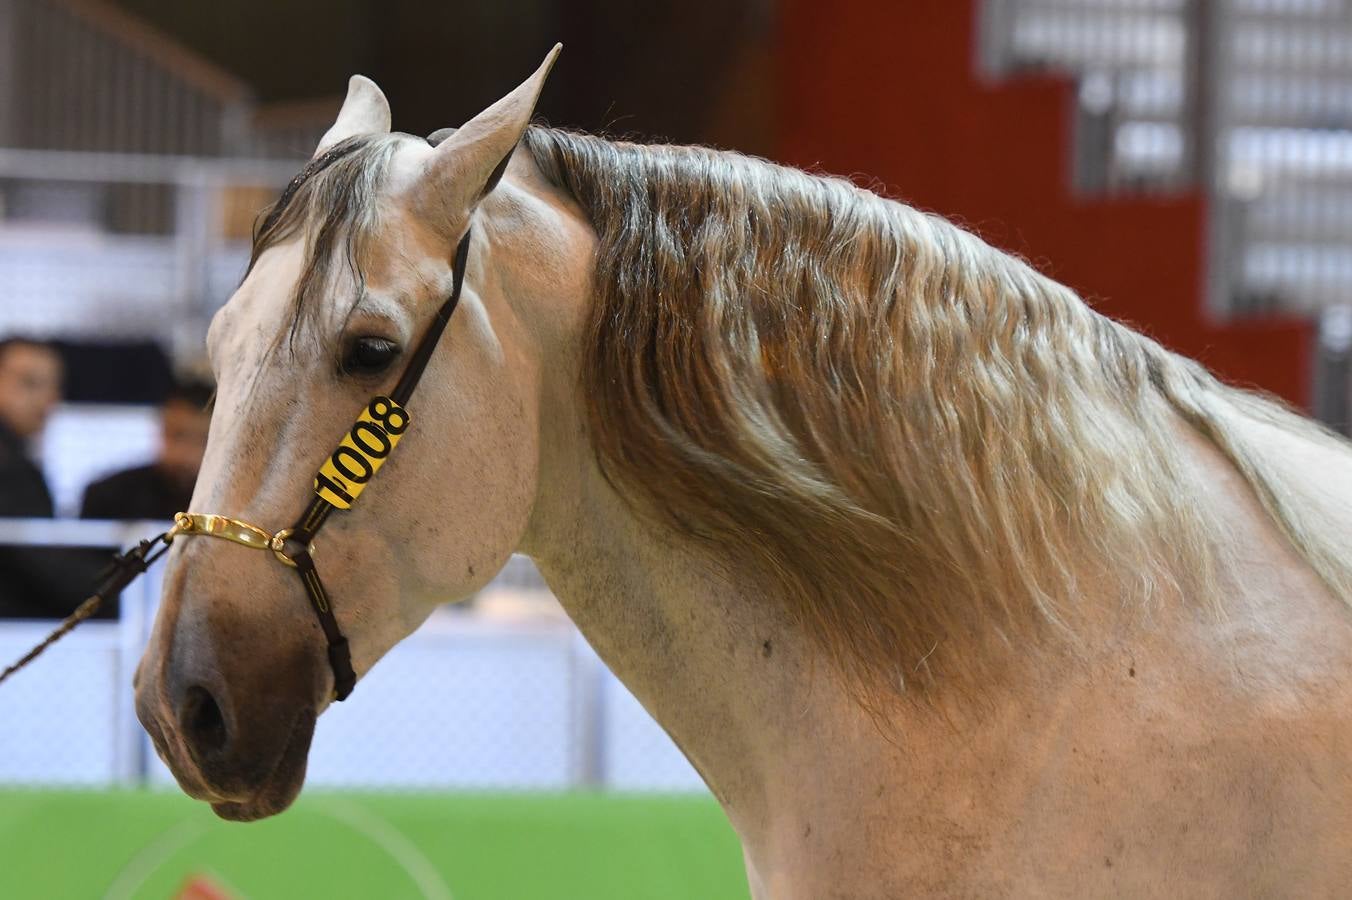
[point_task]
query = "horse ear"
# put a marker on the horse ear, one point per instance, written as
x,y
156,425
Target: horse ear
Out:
x,y
365,111
469,162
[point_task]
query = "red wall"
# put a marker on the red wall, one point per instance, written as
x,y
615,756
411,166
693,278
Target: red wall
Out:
x,y
887,89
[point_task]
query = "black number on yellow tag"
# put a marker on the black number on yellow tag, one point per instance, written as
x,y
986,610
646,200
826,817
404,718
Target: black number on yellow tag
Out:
x,y
352,465
391,416
363,451
372,440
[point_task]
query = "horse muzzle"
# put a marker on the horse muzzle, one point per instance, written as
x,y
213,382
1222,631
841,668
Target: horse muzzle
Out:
x,y
235,735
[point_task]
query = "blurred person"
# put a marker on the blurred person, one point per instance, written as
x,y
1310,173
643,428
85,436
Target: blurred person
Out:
x,y
30,388
35,582
163,487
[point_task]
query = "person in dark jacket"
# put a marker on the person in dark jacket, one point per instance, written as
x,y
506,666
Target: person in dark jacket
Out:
x,y
164,487
30,389
35,582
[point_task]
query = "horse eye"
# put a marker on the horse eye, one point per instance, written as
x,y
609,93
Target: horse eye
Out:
x,y
370,355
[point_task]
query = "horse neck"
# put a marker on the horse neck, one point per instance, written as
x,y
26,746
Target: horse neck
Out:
x,y
705,649
700,644
696,646
741,690
746,695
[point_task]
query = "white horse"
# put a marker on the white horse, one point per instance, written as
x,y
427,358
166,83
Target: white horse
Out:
x,y
946,584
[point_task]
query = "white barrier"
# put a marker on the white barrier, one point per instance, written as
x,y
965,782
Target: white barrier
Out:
x,y
470,701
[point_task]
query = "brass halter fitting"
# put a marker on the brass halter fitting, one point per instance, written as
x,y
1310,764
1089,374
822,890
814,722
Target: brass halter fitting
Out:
x,y
239,532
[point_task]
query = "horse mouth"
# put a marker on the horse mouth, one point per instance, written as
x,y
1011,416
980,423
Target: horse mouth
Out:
x,y
280,789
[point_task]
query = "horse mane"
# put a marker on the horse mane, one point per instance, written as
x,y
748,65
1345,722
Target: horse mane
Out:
x,y
914,435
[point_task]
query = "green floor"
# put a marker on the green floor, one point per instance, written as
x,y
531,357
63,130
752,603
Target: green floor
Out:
x,y
467,847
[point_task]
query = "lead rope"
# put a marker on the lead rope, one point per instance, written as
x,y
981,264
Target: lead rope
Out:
x,y
124,570
294,546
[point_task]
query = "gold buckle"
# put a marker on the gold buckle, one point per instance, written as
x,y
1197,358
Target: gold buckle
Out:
x,y
236,531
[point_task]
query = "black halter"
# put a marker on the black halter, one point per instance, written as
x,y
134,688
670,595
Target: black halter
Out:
x,y
371,439
337,486
319,510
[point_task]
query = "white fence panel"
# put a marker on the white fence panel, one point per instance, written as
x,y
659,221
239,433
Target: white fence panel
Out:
x,y
513,700
59,717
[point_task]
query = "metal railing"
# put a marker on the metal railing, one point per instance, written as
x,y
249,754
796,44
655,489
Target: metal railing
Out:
x,y
85,75
474,699
82,75
63,274
119,644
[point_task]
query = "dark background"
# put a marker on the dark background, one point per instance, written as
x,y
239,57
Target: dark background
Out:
x,y
661,70
885,91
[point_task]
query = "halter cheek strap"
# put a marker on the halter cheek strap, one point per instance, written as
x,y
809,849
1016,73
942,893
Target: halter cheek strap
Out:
x,y
338,484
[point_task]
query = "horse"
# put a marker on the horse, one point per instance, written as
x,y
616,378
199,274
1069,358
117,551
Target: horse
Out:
x,y
945,584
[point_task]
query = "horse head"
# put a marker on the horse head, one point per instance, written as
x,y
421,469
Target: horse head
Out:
x,y
349,271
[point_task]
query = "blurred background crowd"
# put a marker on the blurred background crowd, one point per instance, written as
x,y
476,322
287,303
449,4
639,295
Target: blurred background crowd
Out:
x,y
1185,164
37,582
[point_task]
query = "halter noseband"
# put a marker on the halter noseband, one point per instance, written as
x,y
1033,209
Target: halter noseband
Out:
x,y
337,485
241,532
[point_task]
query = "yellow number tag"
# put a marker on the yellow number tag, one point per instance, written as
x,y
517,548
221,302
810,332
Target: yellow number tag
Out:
x,y
363,451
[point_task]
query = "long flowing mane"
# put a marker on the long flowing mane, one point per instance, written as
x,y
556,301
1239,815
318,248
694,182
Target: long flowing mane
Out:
x,y
915,437
913,434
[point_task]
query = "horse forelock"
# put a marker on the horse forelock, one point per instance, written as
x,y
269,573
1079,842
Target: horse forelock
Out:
x,y
916,436
332,205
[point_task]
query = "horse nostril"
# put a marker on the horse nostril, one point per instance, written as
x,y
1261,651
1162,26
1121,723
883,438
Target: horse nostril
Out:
x,y
203,724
